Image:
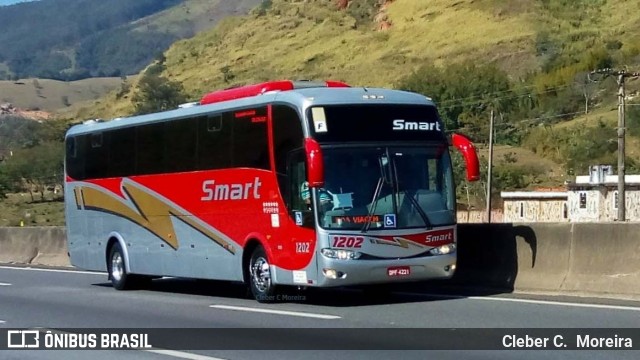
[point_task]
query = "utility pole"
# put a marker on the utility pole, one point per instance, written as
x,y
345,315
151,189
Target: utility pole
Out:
x,y
621,151
490,168
621,76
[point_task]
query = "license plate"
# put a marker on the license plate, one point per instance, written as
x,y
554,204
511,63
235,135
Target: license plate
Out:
x,y
399,271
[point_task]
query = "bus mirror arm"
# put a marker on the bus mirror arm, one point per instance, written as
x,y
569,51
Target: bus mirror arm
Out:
x,y
470,155
315,165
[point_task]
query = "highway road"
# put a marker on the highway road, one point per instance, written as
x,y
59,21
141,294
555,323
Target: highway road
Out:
x,y
56,299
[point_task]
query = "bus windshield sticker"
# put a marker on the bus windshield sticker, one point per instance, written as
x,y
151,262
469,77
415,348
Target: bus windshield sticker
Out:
x,y
355,219
319,119
298,215
390,220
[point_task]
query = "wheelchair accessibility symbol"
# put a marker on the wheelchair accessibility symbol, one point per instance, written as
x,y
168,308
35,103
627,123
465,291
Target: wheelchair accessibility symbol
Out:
x,y
298,218
390,220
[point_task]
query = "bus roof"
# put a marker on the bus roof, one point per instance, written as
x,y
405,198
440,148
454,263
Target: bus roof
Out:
x,y
299,98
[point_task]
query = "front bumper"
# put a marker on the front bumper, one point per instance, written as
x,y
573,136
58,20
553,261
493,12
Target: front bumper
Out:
x,y
362,272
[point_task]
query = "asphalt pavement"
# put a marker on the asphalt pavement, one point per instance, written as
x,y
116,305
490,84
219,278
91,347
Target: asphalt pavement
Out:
x,y
61,299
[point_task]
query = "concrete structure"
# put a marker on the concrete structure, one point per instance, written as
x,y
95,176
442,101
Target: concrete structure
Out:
x,y
535,206
561,258
596,200
591,198
478,216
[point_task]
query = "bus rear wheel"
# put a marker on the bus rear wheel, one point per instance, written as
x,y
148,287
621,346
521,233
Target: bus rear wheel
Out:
x,y
260,281
120,279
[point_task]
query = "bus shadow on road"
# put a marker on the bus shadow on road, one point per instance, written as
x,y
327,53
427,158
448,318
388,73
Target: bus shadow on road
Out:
x,y
393,294
335,297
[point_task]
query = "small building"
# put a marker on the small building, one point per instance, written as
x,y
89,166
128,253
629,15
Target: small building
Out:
x,y
594,198
591,198
535,206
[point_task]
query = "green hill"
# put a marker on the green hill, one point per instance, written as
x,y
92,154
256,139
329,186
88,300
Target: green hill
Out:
x,y
312,39
76,39
527,60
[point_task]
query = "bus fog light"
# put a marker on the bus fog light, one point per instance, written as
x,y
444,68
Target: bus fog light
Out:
x,y
340,254
443,250
330,273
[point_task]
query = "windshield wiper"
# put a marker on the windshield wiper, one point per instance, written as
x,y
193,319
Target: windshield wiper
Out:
x,y
374,204
416,204
423,215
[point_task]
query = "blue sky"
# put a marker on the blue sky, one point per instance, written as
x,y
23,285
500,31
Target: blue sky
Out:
x,y
9,2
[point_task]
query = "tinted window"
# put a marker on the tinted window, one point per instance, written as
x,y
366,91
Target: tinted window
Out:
x,y
250,141
121,152
181,145
150,149
287,136
97,157
75,157
234,139
214,142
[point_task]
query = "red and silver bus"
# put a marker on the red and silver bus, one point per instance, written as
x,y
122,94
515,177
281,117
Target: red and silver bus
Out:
x,y
277,184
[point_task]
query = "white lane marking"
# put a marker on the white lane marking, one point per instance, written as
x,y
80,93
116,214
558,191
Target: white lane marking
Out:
x,y
2,321
277,312
53,270
539,302
5,284
182,355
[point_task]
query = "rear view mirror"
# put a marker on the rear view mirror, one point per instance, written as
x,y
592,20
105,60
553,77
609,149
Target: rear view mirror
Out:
x,y
470,155
315,165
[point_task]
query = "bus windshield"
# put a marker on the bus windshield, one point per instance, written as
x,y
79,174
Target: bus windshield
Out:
x,y
386,187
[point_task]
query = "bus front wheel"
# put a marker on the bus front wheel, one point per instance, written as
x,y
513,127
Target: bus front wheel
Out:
x,y
260,281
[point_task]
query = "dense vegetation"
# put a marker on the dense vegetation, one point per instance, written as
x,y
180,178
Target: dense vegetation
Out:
x,y
32,156
74,39
77,39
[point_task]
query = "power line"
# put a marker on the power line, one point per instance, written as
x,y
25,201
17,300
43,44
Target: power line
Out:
x,y
515,123
488,97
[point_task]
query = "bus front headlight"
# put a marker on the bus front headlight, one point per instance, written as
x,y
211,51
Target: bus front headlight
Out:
x,y
340,254
443,249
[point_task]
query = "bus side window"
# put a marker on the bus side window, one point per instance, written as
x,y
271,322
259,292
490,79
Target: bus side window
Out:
x,y
297,204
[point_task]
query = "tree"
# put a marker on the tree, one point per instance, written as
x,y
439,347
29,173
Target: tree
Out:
x,y
227,74
36,168
586,87
633,119
5,181
156,93
17,132
461,91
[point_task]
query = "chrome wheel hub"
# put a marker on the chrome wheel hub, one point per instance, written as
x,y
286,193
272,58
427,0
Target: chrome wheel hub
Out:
x,y
117,267
260,274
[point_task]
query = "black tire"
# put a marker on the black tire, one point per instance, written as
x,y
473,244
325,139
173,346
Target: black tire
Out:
x,y
120,279
259,277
